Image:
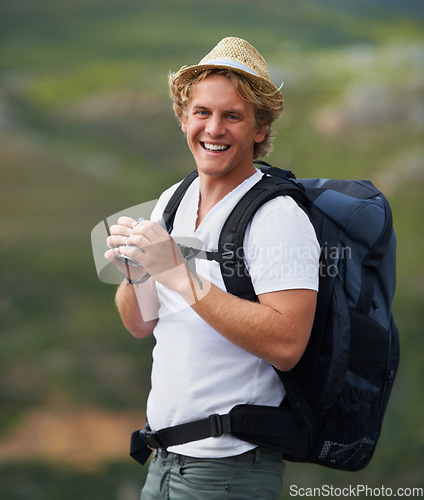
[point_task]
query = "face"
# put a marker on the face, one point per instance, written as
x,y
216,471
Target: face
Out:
x,y
221,129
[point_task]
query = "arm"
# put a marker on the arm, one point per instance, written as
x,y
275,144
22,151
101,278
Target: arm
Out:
x,y
137,304
276,329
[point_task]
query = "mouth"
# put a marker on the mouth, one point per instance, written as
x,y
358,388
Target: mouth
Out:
x,y
214,148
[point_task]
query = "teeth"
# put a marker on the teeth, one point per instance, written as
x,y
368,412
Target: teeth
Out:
x,y
215,147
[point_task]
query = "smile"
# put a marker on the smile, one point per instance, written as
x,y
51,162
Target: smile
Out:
x,y
214,147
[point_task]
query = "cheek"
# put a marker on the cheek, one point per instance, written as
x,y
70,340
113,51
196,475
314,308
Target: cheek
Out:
x,y
192,129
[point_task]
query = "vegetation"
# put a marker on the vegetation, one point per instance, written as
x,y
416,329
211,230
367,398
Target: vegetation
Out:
x,y
86,130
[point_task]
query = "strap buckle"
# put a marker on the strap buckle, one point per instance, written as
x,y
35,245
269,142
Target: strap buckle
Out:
x,y
215,425
150,438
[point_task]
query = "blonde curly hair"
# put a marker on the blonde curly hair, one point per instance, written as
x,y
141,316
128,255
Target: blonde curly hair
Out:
x,y
267,107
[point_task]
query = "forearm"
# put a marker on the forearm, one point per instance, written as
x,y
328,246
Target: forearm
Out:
x,y
242,323
138,308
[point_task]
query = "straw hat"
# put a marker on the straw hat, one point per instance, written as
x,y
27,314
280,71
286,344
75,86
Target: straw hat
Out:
x,y
236,55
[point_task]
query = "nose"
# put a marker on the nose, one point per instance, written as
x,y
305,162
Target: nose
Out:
x,y
215,126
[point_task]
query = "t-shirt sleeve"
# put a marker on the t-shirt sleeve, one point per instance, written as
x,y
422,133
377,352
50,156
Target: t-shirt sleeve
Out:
x,y
281,248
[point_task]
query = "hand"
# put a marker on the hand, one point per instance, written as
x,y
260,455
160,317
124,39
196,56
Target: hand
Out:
x,y
152,246
119,234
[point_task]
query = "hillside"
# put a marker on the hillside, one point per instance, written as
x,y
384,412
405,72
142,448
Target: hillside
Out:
x,y
86,130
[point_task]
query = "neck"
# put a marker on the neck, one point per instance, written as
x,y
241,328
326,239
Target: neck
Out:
x,y
214,188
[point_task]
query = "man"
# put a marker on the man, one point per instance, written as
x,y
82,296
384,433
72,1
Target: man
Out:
x,y
215,350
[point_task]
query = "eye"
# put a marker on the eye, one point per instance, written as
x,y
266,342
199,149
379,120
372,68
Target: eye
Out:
x,y
232,117
201,112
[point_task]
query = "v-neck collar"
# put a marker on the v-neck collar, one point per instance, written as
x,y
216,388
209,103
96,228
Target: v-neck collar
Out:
x,y
222,201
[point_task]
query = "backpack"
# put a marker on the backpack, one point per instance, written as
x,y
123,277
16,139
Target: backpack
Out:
x,y
337,394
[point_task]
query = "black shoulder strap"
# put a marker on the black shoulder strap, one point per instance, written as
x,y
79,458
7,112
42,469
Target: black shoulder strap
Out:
x,y
230,254
230,246
175,200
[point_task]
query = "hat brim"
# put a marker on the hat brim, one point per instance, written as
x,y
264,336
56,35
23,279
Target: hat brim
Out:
x,y
185,74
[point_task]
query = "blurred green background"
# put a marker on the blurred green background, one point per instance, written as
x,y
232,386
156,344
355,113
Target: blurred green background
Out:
x,y
86,130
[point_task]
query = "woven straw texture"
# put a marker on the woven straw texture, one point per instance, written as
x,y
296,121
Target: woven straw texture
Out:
x,y
239,51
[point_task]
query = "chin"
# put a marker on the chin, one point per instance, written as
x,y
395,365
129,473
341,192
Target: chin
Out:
x,y
213,170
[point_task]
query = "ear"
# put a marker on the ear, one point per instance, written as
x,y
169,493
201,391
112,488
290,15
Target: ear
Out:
x,y
260,134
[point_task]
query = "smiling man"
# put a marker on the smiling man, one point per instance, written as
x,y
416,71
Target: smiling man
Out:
x,y
215,350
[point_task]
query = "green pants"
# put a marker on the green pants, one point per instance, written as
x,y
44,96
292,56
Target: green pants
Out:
x,y
257,474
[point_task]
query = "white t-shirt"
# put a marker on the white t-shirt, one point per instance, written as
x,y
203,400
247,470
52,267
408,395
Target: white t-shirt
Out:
x,y
196,371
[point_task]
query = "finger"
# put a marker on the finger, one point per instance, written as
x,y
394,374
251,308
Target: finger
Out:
x,y
117,229
134,252
116,241
150,230
139,241
127,221
111,254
